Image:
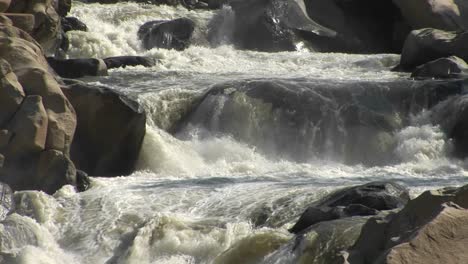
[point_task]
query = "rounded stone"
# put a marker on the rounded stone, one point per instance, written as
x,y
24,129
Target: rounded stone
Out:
x,y
4,4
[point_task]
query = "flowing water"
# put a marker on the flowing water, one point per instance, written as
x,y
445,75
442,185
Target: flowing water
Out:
x,y
238,144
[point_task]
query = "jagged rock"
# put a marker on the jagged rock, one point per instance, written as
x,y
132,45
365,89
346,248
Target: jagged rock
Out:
x,y
123,61
47,21
440,14
110,130
11,92
430,229
77,68
451,67
172,34
425,45
272,25
73,23
29,127
361,200
6,200
63,7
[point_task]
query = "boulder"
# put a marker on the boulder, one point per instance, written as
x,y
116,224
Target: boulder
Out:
x,y
47,21
73,23
451,67
425,45
110,130
361,200
272,25
83,182
11,94
55,170
4,4
123,61
429,229
25,22
173,34
6,200
440,14
77,68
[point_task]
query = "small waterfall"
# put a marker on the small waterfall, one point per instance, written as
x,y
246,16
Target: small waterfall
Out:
x,y
221,27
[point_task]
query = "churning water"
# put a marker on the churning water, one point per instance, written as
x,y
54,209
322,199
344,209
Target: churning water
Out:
x,y
238,144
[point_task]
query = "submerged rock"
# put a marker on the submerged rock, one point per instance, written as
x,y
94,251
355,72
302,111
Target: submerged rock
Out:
x,y
367,199
123,61
425,45
173,34
451,67
110,130
430,229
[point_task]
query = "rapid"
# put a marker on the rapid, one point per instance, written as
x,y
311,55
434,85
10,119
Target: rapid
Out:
x,y
238,144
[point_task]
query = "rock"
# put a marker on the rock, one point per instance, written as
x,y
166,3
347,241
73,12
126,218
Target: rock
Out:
x,y
271,25
6,200
47,21
425,45
25,22
110,130
430,227
77,68
451,67
73,23
173,34
63,7
123,61
54,170
4,4
321,243
11,92
82,181
440,14
29,128
367,199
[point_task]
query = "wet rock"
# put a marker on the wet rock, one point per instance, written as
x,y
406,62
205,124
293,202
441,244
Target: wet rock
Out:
x,y
425,45
63,7
11,94
55,170
110,130
82,181
173,34
77,68
451,67
6,200
362,200
440,14
123,61
73,23
430,227
272,25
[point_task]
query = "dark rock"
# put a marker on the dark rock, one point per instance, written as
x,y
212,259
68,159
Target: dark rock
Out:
x,y
77,68
367,199
73,23
429,229
123,61
451,67
63,7
172,34
82,181
110,130
6,200
425,45
272,25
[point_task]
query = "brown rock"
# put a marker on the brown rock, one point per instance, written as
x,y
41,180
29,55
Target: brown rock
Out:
x,y
11,92
29,127
4,4
23,21
55,170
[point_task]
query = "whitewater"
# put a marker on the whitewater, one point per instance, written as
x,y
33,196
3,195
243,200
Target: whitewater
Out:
x,y
222,174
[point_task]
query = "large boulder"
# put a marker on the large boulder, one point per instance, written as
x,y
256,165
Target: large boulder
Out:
x,y
271,25
110,130
173,34
440,14
361,200
451,67
430,229
47,22
36,117
425,45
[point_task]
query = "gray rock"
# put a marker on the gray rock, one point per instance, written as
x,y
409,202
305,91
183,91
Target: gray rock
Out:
x,y
451,67
6,200
173,34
